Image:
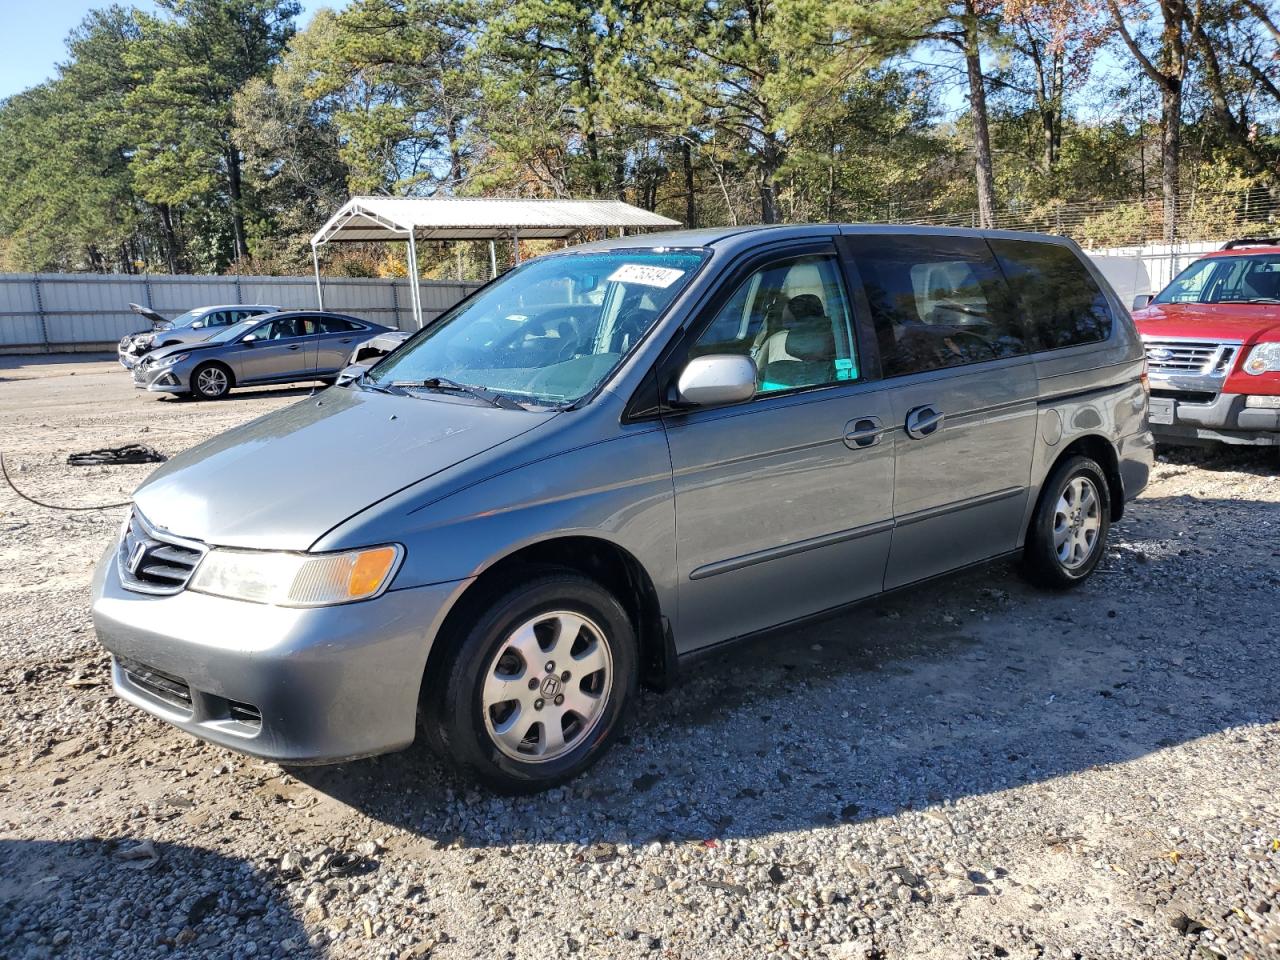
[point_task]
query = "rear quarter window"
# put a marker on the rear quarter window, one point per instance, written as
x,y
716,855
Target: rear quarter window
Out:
x,y
1062,303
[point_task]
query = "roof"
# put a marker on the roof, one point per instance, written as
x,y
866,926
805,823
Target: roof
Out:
x,y
751,234
477,218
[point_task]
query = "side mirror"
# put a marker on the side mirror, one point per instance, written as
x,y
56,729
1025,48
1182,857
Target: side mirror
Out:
x,y
250,339
716,379
353,372
198,325
1141,300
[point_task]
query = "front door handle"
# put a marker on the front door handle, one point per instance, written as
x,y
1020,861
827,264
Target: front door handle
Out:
x,y
863,432
296,346
922,421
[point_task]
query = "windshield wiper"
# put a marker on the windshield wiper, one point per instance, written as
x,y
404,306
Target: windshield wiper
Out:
x,y
445,385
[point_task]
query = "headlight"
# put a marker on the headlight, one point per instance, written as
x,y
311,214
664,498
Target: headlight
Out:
x,y
297,579
1263,358
170,361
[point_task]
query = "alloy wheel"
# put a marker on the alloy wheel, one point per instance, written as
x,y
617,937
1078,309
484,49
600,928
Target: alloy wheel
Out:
x,y
1077,521
212,381
547,686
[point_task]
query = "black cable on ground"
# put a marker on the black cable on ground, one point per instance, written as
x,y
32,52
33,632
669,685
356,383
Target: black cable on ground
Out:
x,y
53,506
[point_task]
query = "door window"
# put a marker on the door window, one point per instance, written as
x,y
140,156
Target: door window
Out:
x,y
792,318
286,328
936,302
335,325
1055,292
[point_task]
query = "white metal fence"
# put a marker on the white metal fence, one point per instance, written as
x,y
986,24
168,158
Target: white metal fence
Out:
x,y
62,312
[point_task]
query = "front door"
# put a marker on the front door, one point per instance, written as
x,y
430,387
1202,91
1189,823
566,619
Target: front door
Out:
x,y
282,349
783,503
962,387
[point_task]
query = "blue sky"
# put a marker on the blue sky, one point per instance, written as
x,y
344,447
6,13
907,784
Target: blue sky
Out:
x,y
32,35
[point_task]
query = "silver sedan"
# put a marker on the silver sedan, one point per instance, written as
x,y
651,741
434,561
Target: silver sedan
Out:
x,y
275,348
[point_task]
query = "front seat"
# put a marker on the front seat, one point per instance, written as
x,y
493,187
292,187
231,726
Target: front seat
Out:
x,y
800,355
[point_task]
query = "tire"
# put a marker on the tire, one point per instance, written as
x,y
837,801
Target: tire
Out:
x,y
1068,533
210,381
485,719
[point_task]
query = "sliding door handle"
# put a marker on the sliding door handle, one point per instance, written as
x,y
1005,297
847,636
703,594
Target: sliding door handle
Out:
x,y
923,421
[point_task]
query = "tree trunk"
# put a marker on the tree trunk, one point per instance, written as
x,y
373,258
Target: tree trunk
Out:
x,y
170,237
983,167
690,201
1170,144
237,202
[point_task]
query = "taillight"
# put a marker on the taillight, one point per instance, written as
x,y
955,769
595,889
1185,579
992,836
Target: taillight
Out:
x,y
1146,381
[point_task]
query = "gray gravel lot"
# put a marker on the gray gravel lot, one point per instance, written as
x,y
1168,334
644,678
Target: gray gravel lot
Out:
x,y
974,769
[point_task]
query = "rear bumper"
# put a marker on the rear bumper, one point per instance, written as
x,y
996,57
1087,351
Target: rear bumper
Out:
x,y
1224,419
316,685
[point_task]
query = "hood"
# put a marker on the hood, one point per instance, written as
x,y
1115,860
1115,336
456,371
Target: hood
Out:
x,y
157,322
188,336
1246,322
162,352
282,481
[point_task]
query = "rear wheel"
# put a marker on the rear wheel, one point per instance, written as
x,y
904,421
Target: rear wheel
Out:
x,y
211,381
535,687
1068,533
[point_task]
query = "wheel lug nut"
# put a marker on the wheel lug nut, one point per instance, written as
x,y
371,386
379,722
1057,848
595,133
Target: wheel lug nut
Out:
x,y
559,699
551,666
533,683
565,676
539,704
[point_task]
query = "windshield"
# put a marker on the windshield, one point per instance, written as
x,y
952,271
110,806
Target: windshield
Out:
x,y
188,318
1245,279
550,331
227,334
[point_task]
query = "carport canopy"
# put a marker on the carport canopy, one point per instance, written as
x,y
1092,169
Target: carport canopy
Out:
x,y
410,219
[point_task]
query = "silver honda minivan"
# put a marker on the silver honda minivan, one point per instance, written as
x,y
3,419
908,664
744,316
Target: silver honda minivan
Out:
x,y
615,457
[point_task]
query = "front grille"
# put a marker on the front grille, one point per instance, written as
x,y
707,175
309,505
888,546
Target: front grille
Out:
x,y
245,713
1204,358
1186,396
152,562
163,686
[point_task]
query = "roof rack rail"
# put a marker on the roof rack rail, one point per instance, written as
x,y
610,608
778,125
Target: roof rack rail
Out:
x,y
1252,242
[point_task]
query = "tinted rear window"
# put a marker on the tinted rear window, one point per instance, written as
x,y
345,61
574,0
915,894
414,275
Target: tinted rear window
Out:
x,y
1061,301
936,302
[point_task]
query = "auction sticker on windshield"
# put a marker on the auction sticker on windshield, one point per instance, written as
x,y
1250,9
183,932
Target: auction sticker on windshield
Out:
x,y
645,275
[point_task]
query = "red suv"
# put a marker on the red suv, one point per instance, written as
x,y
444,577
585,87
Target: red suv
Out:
x,y
1212,338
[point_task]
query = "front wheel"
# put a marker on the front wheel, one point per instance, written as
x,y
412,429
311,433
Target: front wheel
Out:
x,y
535,688
1068,533
211,381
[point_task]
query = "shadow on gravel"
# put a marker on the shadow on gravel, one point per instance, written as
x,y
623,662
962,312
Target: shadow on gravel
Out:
x,y
972,685
1259,461
87,898
298,391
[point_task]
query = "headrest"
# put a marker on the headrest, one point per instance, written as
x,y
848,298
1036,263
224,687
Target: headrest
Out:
x,y
811,341
805,306
1264,284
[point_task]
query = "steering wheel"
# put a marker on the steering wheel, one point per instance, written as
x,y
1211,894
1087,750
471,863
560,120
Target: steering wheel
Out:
x,y
956,334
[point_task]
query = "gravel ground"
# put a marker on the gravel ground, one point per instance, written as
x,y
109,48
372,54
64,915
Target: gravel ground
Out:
x,y
975,770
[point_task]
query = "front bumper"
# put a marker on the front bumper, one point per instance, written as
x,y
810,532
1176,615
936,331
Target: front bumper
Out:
x,y
316,685
172,379
1224,418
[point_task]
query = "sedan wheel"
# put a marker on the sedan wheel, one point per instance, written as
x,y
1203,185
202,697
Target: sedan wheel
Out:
x,y
212,382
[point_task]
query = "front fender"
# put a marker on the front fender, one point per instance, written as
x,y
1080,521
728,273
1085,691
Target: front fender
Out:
x,y
618,490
